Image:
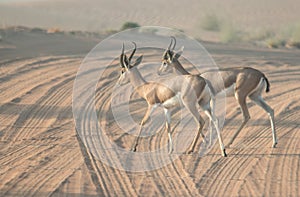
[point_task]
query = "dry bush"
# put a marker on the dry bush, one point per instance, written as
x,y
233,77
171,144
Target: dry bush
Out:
x,y
275,42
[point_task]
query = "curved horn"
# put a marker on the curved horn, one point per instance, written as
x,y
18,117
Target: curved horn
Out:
x,y
133,52
170,44
122,57
174,42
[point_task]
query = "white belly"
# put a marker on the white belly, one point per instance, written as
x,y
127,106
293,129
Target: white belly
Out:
x,y
173,102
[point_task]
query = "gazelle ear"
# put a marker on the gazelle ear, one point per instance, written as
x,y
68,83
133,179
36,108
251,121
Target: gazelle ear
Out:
x,y
179,53
138,61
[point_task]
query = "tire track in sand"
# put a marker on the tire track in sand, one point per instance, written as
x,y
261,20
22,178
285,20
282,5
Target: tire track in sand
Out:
x,y
41,168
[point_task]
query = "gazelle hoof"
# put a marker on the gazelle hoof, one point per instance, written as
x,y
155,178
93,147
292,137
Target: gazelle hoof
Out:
x,y
133,149
274,145
189,152
224,153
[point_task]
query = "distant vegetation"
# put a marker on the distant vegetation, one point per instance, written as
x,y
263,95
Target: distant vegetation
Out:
x,y
222,30
289,37
125,26
129,25
211,23
228,33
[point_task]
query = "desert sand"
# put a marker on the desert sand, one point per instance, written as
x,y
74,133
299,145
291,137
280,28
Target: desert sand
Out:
x,y
42,155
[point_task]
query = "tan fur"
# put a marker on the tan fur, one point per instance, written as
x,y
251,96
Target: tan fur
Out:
x,y
155,92
239,76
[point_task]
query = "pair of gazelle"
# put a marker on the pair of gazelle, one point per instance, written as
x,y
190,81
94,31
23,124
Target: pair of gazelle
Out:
x,y
192,90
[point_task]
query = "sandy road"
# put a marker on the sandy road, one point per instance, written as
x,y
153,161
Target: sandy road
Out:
x,y
41,155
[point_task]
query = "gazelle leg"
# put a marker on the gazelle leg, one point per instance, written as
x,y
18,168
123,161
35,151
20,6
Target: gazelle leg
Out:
x,y
260,102
214,121
191,106
212,103
168,128
241,98
144,120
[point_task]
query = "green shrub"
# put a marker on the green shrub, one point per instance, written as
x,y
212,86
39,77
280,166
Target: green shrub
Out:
x,y
211,23
229,33
129,25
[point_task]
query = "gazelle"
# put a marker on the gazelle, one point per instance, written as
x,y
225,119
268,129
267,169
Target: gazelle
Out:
x,y
182,90
241,82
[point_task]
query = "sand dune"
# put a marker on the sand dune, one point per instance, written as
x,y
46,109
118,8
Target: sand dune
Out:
x,y
42,155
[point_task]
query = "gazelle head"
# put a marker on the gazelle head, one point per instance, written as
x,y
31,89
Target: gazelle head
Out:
x,y
169,57
126,65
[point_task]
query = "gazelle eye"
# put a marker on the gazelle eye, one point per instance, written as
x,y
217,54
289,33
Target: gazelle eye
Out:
x,y
122,71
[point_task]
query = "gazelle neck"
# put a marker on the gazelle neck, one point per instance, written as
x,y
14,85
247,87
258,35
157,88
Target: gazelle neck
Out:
x,y
177,67
136,78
